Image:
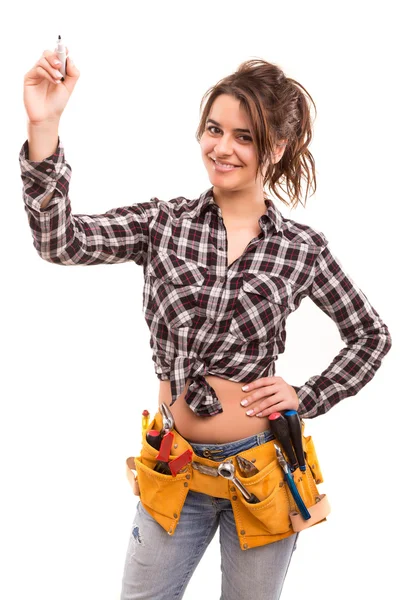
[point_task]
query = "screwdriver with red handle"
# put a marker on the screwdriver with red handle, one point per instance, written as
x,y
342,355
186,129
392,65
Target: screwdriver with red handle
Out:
x,y
153,438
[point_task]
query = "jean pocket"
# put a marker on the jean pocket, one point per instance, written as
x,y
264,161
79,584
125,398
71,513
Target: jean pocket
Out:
x,y
174,285
262,303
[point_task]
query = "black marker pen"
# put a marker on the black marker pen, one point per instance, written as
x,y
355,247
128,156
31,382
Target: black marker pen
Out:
x,y
60,51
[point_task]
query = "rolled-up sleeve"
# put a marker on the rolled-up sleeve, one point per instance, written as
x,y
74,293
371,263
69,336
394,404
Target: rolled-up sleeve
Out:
x,y
119,235
366,336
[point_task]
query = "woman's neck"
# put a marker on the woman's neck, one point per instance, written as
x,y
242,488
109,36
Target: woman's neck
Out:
x,y
241,205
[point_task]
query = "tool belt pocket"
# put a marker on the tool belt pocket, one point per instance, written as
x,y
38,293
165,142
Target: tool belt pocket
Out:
x,y
276,512
312,459
271,514
161,494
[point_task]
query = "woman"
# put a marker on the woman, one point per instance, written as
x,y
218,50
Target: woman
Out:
x,y
222,273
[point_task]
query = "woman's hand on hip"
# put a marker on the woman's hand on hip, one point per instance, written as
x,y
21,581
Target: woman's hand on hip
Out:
x,y
268,395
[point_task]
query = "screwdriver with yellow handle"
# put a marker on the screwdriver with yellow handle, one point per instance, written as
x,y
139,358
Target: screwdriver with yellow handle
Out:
x,y
145,420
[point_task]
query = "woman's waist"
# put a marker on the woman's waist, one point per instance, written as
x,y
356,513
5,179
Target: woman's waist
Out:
x,y
230,425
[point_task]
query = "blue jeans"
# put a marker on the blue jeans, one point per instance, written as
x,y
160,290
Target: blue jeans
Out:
x,y
159,566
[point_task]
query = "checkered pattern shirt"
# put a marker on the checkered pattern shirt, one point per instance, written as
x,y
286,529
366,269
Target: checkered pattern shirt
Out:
x,y
204,316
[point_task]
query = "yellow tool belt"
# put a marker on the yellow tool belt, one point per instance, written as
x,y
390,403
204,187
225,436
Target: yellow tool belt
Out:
x,y
275,517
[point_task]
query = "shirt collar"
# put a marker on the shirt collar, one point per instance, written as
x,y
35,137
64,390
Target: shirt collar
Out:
x,y
271,217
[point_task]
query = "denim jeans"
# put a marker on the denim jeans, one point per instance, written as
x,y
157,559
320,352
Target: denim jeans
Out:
x,y
159,566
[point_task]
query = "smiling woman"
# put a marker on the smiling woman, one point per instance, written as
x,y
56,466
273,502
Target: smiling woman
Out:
x,y
275,115
222,274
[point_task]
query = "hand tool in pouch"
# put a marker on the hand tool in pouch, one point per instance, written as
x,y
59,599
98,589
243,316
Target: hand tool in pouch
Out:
x,y
145,420
293,420
280,429
245,467
180,461
205,469
227,470
163,455
153,438
167,418
291,484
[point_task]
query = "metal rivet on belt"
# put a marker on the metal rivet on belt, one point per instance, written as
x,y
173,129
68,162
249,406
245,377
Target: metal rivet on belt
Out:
x,y
175,445
186,484
175,516
170,531
253,460
245,546
187,476
242,532
318,481
233,488
234,497
281,483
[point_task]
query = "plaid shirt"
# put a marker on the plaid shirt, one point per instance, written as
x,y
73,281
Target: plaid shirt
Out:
x,y
204,316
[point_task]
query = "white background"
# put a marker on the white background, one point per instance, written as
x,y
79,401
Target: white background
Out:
x,y
76,366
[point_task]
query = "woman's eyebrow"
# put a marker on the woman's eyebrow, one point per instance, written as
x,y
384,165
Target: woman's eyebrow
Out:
x,y
218,125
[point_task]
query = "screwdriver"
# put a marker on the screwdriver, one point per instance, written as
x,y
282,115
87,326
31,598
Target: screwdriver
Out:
x,y
145,420
291,484
153,438
293,420
280,429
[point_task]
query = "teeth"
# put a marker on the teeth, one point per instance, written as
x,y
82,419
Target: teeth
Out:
x,y
225,166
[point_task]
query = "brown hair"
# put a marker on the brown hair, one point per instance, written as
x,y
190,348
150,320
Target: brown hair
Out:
x,y
278,110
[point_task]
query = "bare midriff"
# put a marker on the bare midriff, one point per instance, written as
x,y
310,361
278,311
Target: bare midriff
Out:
x,y
230,425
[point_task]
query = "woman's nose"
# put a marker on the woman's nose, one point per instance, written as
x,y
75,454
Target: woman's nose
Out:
x,y
224,146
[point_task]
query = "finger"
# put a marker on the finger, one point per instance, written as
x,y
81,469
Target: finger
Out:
x,y
279,407
267,404
52,57
47,65
263,381
43,74
259,394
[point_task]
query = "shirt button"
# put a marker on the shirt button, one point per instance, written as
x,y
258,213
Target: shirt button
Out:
x,y
211,321
220,248
48,170
221,279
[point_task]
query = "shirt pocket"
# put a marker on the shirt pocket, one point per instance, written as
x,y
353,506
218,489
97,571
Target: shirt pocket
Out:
x,y
175,284
263,302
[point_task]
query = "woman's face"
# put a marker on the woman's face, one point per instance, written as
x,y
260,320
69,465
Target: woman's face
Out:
x,y
227,139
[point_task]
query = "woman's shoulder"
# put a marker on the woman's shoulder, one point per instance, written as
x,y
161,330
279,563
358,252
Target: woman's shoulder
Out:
x,y
302,233
181,206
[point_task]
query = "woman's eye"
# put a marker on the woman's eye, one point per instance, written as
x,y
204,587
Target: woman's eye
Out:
x,y
245,137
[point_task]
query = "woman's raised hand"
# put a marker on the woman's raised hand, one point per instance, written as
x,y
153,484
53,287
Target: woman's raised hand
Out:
x,y
44,99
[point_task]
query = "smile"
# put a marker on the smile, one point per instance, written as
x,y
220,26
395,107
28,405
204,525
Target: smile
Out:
x,y
227,167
